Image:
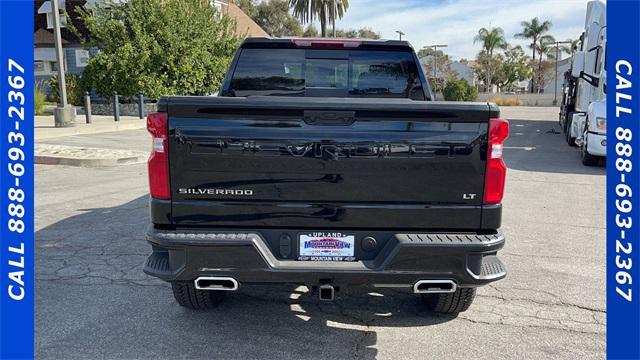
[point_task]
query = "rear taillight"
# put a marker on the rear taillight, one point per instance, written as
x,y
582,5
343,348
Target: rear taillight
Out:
x,y
496,169
158,164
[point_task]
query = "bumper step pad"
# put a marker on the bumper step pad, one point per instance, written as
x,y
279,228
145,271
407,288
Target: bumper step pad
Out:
x,y
492,268
451,239
158,262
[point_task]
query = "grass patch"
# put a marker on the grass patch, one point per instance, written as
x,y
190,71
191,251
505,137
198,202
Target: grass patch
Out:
x,y
39,101
506,102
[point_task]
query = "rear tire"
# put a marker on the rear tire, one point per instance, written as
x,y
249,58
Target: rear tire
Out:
x,y
188,296
450,303
567,132
565,125
588,159
570,139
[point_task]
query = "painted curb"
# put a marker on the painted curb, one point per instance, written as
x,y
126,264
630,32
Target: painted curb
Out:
x,y
86,162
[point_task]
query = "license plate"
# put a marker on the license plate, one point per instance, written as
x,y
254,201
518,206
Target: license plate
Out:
x,y
326,246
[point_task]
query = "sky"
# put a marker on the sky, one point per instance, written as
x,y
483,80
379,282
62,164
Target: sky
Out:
x,y
456,22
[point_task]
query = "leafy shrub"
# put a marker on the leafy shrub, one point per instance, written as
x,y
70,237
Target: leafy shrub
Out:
x,y
472,92
459,90
39,98
158,47
432,85
75,89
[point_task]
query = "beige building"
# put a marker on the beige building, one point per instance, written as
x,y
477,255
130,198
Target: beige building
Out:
x,y
244,24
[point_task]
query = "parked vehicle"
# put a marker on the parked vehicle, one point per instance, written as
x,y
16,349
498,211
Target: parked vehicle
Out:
x,y
568,104
323,162
583,115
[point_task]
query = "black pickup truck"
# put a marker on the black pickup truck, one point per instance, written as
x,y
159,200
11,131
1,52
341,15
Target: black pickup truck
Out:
x,y
325,162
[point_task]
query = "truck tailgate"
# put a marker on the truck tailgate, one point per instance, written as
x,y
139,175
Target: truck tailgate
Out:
x,y
327,162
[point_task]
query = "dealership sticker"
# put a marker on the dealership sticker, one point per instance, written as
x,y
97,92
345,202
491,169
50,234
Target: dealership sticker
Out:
x,y
16,180
327,246
623,180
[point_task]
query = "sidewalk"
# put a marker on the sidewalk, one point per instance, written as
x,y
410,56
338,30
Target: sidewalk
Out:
x,y
51,154
45,126
80,146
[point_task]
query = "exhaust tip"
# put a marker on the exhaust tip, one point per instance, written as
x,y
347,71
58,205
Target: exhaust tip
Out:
x,y
223,283
326,292
434,286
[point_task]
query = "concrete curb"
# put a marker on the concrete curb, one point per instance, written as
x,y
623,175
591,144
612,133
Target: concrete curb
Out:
x,y
49,154
58,160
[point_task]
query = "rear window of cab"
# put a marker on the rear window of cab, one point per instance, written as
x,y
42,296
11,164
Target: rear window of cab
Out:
x,y
341,73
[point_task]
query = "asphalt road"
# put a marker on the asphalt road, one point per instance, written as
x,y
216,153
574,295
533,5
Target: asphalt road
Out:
x,y
93,301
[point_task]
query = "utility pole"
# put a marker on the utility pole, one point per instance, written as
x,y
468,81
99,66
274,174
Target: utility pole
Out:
x,y
400,33
435,64
555,89
64,114
62,88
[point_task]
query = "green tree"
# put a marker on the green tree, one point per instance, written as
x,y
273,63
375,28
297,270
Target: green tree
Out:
x,y
363,33
459,90
533,30
514,67
75,88
491,40
158,47
487,68
351,33
444,69
325,11
273,16
571,47
425,52
247,6
310,31
368,33
546,49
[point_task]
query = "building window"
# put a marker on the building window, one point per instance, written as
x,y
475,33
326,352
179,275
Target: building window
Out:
x,y
82,57
54,66
38,66
63,20
47,8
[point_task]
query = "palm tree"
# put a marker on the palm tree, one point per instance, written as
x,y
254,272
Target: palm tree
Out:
x,y
546,48
338,7
323,10
571,47
491,39
533,30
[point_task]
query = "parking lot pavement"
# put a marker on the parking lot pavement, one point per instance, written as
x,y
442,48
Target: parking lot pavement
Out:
x,y
93,301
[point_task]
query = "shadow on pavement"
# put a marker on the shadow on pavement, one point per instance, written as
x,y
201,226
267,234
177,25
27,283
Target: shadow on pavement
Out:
x,y
540,146
93,300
